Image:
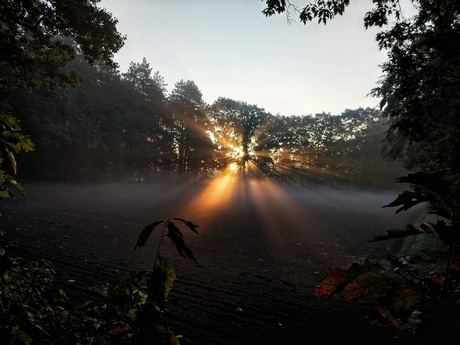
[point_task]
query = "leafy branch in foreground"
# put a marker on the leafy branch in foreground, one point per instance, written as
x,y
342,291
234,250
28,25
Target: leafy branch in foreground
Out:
x,y
395,300
136,305
132,311
12,141
399,283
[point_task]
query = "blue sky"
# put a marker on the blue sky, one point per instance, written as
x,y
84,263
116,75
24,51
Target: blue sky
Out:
x,y
230,49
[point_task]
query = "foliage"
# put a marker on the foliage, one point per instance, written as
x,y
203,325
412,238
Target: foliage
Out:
x,y
400,283
441,190
30,306
396,301
107,130
423,115
325,10
136,305
12,141
236,127
131,311
40,37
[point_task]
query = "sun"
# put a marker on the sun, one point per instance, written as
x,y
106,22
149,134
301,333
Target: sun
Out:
x,y
235,152
233,166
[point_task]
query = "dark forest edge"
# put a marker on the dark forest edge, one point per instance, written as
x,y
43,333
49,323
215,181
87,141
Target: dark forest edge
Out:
x,y
108,130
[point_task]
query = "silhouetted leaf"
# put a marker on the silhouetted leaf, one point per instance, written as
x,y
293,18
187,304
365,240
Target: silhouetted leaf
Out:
x,y
397,233
189,224
432,181
406,200
144,235
176,236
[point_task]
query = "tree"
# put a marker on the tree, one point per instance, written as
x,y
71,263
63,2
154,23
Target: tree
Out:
x,y
40,37
141,78
421,83
421,88
191,126
236,125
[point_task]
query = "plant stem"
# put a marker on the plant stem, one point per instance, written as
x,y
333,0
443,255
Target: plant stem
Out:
x,y
157,255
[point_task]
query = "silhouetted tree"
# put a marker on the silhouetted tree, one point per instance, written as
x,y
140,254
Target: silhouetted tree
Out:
x,y
191,126
40,37
236,126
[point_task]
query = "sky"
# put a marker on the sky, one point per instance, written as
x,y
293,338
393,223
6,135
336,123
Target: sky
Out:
x,y
228,48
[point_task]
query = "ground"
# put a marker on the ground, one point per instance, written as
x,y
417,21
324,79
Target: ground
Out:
x,y
261,251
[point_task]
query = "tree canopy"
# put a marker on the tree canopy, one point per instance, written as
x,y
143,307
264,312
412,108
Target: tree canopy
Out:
x,y
38,39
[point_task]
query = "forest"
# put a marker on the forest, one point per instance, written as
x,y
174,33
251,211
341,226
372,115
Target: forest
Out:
x,y
118,126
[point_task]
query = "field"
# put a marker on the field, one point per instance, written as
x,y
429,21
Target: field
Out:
x,y
261,250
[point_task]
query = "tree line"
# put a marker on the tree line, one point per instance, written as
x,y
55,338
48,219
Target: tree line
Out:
x,y
126,126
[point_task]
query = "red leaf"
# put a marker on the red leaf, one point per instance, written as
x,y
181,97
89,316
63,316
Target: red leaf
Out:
x,y
437,279
117,330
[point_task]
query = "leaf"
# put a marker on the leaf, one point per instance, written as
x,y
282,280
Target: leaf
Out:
x,y
144,235
397,233
188,223
405,301
328,286
367,284
432,181
176,236
118,329
12,160
161,281
19,188
406,200
21,335
390,319
169,274
437,279
339,278
426,229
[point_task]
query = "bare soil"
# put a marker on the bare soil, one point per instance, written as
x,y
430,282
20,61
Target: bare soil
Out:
x,y
261,251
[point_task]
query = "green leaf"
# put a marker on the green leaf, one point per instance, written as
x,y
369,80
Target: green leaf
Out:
x,y
20,189
21,335
406,300
169,274
12,160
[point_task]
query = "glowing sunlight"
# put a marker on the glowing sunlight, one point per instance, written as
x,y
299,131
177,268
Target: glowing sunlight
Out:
x,y
217,194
